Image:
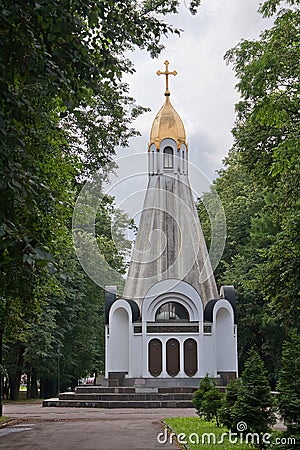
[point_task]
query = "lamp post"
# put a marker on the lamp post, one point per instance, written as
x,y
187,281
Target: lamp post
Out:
x,y
58,370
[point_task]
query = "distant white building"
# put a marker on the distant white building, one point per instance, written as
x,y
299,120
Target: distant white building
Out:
x,y
171,326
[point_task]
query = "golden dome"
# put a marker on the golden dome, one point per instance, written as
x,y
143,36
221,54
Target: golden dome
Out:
x,y
167,124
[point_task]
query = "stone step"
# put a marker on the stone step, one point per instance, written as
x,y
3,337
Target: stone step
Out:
x,y
182,389
55,402
129,390
126,397
101,389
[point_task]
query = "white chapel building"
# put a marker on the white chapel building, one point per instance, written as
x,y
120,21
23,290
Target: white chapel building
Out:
x,y
172,326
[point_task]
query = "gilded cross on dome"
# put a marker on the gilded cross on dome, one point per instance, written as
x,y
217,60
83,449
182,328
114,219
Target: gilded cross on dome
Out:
x,y
167,73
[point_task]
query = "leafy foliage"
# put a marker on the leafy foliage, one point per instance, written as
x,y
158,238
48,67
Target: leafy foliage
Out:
x,y
266,139
60,81
259,188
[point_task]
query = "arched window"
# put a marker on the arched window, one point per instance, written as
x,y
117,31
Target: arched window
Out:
x,y
168,158
172,311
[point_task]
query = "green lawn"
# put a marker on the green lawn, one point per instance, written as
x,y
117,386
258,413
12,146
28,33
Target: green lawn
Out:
x,y
197,434
23,398
201,435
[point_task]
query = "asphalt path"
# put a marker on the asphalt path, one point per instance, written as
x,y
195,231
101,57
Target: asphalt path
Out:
x,y
38,428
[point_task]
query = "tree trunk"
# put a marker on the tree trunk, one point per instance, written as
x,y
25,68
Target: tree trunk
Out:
x,y
28,384
48,388
34,386
15,376
1,370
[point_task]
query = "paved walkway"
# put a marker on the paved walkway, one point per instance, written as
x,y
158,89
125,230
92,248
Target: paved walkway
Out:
x,y
39,428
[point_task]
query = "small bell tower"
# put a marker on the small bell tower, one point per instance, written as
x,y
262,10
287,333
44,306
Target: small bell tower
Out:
x,y
167,146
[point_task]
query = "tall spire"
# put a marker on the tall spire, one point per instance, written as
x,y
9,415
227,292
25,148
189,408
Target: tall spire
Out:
x,y
167,73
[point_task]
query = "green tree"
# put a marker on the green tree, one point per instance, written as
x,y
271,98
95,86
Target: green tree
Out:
x,y
289,387
259,188
207,399
61,66
67,338
228,402
254,405
249,231
63,110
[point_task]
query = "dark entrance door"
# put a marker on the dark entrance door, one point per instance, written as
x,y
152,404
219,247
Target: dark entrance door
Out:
x,y
155,357
190,357
173,363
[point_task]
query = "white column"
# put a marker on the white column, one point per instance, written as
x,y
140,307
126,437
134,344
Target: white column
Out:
x,y
181,358
152,162
106,351
145,350
164,359
177,162
149,163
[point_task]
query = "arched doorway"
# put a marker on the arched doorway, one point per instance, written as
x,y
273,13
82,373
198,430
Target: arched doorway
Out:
x,y
190,357
155,357
173,361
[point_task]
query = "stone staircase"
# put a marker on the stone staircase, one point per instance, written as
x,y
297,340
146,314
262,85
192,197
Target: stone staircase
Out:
x,y
125,397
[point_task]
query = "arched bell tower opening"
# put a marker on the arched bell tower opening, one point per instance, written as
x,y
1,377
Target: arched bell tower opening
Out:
x,y
168,159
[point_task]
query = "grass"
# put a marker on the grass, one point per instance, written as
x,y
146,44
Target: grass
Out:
x,y
3,418
197,436
23,400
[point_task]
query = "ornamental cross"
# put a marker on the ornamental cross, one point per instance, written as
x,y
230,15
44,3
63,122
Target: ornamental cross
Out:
x,y
167,73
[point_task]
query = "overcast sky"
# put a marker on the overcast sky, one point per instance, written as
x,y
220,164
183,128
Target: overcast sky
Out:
x,y
203,92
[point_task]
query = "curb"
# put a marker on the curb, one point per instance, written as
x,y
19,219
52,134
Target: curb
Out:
x,y
170,430
5,423
8,422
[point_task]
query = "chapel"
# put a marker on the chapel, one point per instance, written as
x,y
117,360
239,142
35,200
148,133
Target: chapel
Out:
x,y
172,325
